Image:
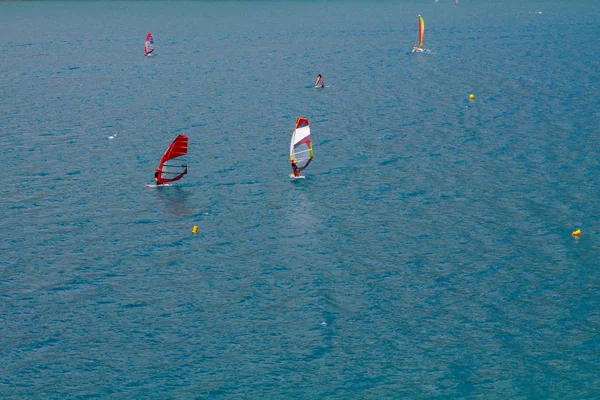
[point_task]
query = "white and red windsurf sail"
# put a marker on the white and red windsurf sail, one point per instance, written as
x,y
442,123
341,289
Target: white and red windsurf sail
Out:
x,y
301,150
320,82
173,165
149,44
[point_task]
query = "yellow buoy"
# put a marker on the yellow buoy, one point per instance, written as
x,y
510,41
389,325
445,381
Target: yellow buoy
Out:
x,y
576,233
471,96
195,229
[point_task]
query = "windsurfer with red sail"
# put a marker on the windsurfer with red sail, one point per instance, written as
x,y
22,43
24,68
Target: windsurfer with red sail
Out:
x,y
173,164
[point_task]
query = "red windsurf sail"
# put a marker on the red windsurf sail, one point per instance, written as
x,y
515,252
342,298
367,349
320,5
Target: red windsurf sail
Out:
x,y
173,165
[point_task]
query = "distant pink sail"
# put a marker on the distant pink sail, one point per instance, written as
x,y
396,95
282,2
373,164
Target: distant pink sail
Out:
x,y
455,2
149,44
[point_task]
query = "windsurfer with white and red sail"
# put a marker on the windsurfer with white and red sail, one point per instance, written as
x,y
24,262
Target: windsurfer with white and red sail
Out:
x,y
301,150
149,45
320,82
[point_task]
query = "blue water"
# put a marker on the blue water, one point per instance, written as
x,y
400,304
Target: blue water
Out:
x,y
427,254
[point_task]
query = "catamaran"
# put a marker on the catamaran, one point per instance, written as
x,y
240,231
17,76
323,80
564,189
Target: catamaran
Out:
x,y
301,150
173,164
419,48
149,45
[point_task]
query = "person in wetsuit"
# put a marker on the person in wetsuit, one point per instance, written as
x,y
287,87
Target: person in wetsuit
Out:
x,y
295,169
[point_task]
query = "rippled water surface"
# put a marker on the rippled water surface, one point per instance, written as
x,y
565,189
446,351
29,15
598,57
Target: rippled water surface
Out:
x,y
427,254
